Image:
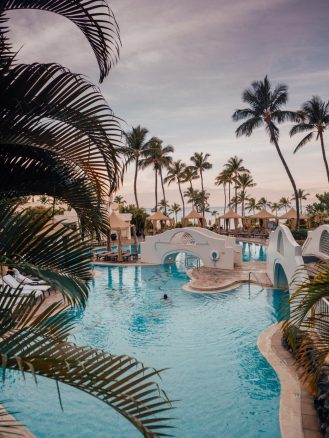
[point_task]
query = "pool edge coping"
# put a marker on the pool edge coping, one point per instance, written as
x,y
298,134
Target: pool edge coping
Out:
x,y
291,393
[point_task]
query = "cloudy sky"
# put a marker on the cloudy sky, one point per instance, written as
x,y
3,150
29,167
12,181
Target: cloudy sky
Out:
x,y
183,67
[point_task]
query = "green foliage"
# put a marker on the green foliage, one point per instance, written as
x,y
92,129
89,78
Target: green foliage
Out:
x,y
139,216
322,206
300,234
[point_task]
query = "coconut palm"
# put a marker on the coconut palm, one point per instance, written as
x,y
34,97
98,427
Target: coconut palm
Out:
x,y
158,157
265,108
243,182
306,326
233,167
252,205
175,174
191,195
175,209
224,178
190,174
201,164
285,203
315,120
119,200
263,203
136,144
163,205
302,196
275,207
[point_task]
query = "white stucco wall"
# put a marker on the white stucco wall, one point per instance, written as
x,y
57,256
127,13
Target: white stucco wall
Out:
x,y
155,249
312,243
290,257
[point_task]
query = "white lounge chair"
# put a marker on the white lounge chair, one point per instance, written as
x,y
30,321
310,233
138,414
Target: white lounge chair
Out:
x,y
24,292
25,280
12,282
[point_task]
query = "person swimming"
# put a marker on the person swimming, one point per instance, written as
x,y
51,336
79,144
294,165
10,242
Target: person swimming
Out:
x,y
165,296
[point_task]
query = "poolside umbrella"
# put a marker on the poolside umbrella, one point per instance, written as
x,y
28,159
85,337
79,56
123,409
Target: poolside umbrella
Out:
x,y
231,214
194,216
118,225
158,216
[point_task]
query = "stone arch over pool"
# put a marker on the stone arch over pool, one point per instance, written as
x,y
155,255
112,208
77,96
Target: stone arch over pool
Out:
x,y
213,249
280,277
172,255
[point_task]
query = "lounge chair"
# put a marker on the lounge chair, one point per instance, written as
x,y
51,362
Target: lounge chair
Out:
x,y
25,291
26,280
12,282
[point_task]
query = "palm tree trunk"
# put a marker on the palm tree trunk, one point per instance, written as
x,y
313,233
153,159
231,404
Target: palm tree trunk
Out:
x,y
229,192
156,190
176,217
324,155
224,185
236,194
287,171
182,197
163,192
135,182
201,176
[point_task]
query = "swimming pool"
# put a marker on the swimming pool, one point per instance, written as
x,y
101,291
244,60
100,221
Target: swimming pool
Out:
x,y
253,252
225,387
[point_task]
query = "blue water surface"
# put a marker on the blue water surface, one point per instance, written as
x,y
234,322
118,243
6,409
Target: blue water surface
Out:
x,y
225,386
253,252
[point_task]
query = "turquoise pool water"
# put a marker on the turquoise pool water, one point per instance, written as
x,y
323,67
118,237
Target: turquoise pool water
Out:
x,y
115,248
225,387
253,252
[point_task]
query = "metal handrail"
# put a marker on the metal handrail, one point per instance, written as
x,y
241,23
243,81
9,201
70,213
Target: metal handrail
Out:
x,y
257,279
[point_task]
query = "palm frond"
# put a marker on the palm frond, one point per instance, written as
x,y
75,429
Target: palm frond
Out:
x,y
303,142
93,17
58,256
248,127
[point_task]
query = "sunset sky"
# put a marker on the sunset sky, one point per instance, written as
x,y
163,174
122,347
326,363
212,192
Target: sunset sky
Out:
x,y
183,67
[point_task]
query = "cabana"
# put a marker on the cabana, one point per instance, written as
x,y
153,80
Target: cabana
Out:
x,y
291,216
231,214
263,217
117,224
195,217
158,217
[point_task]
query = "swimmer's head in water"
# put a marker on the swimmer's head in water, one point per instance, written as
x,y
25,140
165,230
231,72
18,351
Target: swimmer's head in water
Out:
x,y
165,296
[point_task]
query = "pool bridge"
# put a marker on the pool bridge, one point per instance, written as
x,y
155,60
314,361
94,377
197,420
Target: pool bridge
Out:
x,y
212,249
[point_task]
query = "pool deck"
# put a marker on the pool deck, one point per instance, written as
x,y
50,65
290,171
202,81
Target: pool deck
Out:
x,y
212,280
298,418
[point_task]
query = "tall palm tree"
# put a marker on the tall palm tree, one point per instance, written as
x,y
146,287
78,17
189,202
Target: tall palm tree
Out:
x,y
263,203
224,178
243,182
265,108
119,200
176,174
175,209
275,207
191,195
314,119
163,205
201,164
234,166
252,205
136,144
190,174
302,196
285,203
158,157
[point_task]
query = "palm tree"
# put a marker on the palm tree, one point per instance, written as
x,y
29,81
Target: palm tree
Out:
x,y
190,175
263,203
158,157
285,203
119,200
176,174
222,179
252,205
265,108
175,209
314,119
243,182
302,196
191,195
275,207
234,166
163,205
306,327
136,144
201,163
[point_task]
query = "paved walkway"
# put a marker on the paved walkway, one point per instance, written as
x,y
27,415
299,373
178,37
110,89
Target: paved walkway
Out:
x,y
216,280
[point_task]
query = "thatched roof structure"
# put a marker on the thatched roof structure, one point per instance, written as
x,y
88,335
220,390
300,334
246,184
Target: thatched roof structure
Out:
x,y
231,215
158,216
116,223
263,214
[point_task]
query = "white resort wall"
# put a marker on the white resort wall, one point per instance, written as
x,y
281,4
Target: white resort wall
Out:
x,y
195,241
317,242
284,259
